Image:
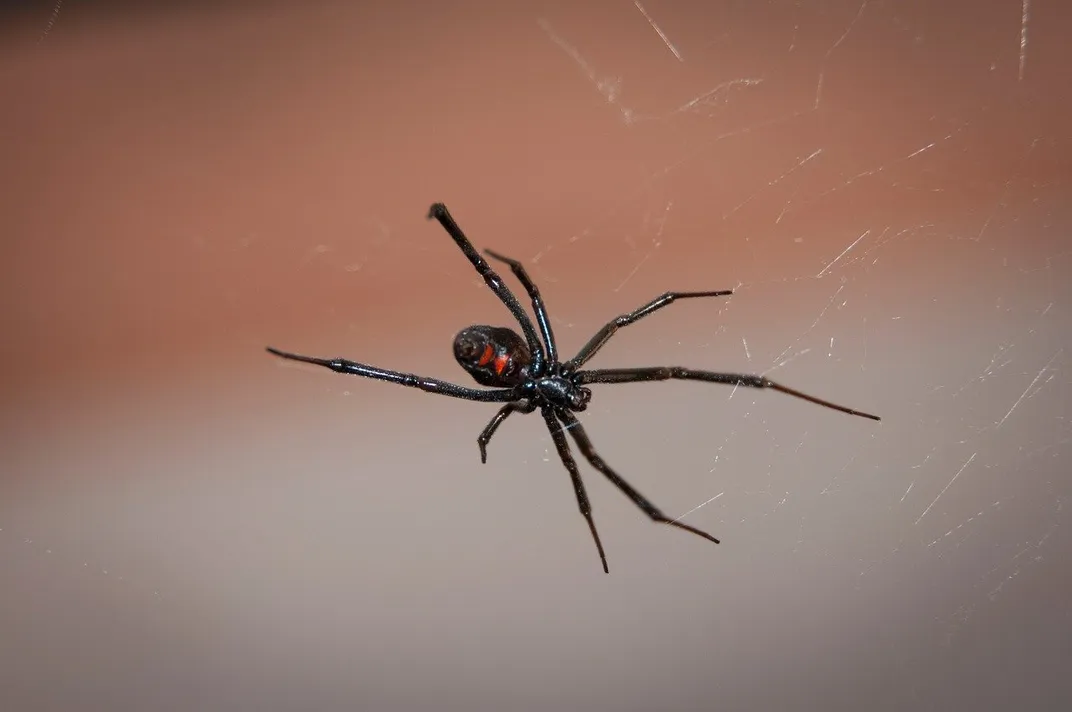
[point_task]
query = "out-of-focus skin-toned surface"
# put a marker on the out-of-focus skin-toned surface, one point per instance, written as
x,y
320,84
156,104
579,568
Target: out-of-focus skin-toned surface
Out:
x,y
188,523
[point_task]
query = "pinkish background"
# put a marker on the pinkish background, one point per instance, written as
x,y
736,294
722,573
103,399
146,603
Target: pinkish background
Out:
x,y
189,524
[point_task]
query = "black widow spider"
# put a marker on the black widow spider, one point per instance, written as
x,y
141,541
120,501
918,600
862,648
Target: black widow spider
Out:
x,y
527,376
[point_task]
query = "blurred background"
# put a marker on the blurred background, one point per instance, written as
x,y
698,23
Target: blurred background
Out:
x,y
188,523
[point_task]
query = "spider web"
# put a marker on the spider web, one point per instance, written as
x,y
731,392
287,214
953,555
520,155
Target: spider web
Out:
x,y
883,184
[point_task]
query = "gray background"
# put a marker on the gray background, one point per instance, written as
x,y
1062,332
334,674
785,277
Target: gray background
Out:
x,y
187,523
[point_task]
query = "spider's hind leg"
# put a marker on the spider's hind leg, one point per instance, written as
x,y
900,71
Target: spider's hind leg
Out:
x,y
538,306
439,212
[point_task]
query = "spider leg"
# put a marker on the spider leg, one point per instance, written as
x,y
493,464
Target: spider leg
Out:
x,y
537,302
664,373
569,420
575,474
431,385
494,282
603,335
485,435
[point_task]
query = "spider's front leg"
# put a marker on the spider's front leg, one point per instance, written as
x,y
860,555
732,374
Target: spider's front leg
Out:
x,y
611,328
570,422
566,456
484,438
747,380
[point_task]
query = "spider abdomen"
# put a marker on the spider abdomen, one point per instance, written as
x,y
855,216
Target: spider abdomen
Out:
x,y
493,355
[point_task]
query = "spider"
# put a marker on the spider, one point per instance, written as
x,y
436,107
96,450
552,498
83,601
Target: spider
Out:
x,y
526,374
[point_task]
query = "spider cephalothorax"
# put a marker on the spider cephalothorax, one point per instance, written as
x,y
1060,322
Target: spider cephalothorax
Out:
x,y
526,375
